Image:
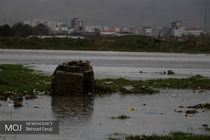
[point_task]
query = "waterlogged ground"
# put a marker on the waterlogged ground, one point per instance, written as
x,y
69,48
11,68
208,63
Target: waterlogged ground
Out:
x,y
89,118
114,64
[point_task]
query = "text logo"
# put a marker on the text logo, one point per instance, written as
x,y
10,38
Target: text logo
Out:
x,y
13,128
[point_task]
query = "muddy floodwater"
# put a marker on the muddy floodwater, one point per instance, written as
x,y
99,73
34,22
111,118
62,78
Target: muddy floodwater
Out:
x,y
89,118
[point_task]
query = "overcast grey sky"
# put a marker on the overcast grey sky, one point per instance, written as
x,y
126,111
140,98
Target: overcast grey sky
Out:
x,y
121,13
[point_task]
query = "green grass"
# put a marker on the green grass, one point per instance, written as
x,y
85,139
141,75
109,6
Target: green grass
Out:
x,y
171,136
170,72
121,117
124,43
19,79
195,82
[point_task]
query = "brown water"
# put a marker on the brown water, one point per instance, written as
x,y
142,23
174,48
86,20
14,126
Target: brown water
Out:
x,y
89,118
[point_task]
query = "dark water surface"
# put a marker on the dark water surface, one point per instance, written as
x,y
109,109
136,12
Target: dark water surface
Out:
x,y
89,118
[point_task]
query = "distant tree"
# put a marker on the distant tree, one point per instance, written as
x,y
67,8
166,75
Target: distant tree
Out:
x,y
5,30
41,29
23,30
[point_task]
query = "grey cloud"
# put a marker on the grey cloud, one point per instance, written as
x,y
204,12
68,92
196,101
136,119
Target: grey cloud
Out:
x,y
108,12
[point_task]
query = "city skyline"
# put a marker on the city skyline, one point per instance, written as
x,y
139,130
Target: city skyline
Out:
x,y
123,13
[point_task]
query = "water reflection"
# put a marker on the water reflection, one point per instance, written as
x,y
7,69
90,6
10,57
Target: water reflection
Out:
x,y
89,117
72,106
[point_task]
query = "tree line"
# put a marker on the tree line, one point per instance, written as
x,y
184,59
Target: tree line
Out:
x,y
23,30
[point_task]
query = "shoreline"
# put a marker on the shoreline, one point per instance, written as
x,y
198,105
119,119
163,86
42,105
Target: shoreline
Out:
x,y
99,51
123,44
23,81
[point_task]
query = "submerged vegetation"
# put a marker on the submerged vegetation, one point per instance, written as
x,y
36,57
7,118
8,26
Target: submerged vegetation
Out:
x,y
121,117
123,43
22,80
171,136
170,72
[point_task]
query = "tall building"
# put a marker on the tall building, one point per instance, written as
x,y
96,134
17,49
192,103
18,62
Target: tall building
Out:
x,y
177,24
77,25
177,29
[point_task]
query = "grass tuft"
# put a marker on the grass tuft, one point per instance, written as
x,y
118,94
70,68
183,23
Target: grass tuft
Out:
x,y
22,80
171,136
121,117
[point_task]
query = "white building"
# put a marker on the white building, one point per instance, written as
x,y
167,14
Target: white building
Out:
x,y
178,32
60,29
77,24
147,31
193,31
177,29
92,29
109,33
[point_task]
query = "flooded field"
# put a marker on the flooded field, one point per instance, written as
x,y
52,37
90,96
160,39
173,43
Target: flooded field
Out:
x,y
89,118
114,64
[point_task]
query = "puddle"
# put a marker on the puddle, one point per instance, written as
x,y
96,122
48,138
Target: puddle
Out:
x,y
89,118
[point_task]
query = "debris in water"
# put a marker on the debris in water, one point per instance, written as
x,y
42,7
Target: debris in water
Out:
x,y
140,89
30,97
170,72
200,106
121,117
16,98
17,104
10,104
141,71
128,88
194,108
181,106
131,109
191,111
37,92
178,111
